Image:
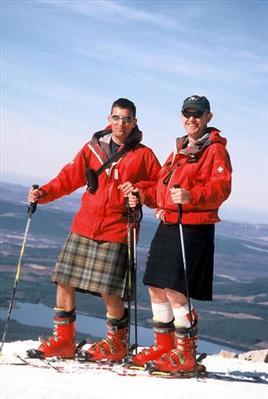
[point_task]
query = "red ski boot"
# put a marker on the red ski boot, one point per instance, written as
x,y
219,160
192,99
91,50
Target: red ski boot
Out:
x,y
113,347
164,335
62,343
181,360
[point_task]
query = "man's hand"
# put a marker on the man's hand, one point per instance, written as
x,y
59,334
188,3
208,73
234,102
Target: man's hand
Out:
x,y
180,195
126,188
34,195
134,195
135,198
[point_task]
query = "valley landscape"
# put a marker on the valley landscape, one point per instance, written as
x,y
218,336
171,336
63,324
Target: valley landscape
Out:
x,y
238,315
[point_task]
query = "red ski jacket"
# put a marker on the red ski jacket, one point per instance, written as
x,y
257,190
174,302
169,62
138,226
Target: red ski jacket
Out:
x,y
102,215
205,171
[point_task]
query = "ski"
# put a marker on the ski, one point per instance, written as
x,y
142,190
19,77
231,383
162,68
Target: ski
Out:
x,y
22,361
63,365
214,375
207,375
238,377
203,374
73,366
27,362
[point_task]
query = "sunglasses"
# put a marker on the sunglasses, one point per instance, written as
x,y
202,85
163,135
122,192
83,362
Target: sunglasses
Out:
x,y
125,119
194,114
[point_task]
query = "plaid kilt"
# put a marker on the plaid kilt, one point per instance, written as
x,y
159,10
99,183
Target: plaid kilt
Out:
x,y
165,267
93,266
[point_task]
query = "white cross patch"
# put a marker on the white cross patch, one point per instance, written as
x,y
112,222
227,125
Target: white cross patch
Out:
x,y
220,169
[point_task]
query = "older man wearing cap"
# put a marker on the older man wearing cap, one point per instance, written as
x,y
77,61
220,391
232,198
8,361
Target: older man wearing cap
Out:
x,y
193,183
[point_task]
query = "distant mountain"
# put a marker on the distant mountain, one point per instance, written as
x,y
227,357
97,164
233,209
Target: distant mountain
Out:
x,y
18,192
240,214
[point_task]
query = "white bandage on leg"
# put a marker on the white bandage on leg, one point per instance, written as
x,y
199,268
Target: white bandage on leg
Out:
x,y
162,312
181,316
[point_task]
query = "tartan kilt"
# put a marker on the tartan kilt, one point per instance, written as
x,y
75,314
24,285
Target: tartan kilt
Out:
x,y
93,266
165,267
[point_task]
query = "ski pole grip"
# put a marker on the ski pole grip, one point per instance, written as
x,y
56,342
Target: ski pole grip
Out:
x,y
179,205
138,206
32,206
137,196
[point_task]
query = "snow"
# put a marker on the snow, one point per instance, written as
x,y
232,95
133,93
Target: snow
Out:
x,y
37,383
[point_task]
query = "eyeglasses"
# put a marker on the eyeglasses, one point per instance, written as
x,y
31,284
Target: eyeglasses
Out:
x,y
125,119
194,114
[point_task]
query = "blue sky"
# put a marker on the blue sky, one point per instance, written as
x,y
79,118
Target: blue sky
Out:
x,y
64,62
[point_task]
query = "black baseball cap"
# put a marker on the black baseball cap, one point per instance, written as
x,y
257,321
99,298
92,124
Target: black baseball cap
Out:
x,y
200,103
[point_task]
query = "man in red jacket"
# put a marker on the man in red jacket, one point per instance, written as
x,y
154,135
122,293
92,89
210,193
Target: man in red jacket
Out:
x,y
94,257
192,185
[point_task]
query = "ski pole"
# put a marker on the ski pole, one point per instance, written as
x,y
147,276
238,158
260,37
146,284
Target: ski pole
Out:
x,y
132,270
134,238
129,271
186,280
31,209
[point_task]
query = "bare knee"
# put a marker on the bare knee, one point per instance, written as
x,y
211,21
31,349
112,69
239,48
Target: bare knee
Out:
x,y
176,299
157,295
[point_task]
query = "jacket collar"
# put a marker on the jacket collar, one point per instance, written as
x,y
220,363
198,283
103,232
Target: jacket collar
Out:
x,y
192,151
101,141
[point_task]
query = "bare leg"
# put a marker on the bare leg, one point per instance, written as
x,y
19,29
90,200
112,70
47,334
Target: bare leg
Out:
x,y
114,306
65,297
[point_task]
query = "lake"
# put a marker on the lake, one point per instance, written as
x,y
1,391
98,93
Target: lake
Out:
x,y
40,315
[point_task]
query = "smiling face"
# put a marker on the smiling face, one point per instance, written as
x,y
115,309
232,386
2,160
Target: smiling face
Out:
x,y
195,125
122,122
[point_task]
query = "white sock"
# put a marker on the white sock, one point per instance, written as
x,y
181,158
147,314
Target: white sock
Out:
x,y
162,312
180,315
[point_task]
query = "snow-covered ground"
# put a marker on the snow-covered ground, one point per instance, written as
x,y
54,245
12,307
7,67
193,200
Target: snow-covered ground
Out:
x,y
25,382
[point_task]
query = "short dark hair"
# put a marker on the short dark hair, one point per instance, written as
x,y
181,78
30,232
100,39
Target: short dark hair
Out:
x,y
124,103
